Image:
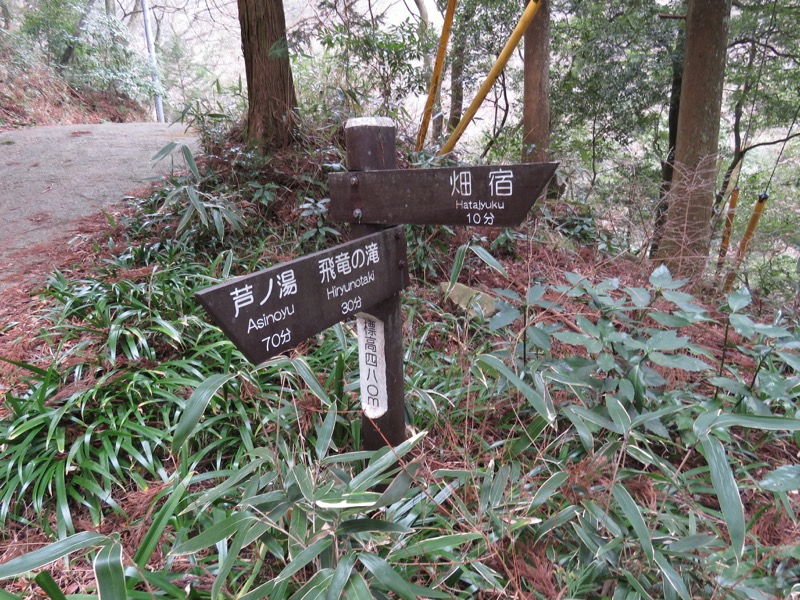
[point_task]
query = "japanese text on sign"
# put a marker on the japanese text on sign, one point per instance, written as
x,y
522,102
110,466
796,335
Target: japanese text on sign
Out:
x,y
480,211
267,312
372,366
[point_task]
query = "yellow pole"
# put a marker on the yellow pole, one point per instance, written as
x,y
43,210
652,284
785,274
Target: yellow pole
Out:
x,y
499,65
436,80
758,209
726,233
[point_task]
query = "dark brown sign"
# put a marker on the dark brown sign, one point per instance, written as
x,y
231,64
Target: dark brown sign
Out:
x,y
268,312
498,196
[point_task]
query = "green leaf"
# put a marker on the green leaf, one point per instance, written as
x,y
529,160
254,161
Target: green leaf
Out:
x,y
666,341
325,433
307,375
536,292
45,581
548,488
391,579
434,546
196,406
739,299
724,483
539,398
783,479
340,577
50,553
539,338
109,572
352,526
506,315
165,151
382,460
618,414
744,325
639,296
490,260
304,558
455,270
219,531
672,576
159,524
573,338
190,163
400,485
661,278
631,511
678,361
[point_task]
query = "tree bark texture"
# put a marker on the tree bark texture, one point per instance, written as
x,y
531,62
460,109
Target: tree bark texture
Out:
x,y
270,86
687,233
536,93
668,165
457,82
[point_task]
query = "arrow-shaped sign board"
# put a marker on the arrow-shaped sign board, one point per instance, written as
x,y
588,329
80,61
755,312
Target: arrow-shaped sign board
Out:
x,y
268,312
498,196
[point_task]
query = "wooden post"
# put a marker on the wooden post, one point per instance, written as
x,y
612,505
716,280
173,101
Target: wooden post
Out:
x,y
370,145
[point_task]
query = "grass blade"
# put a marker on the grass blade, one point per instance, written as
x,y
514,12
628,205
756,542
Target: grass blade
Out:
x,y
109,572
724,483
634,516
196,406
160,522
45,581
50,553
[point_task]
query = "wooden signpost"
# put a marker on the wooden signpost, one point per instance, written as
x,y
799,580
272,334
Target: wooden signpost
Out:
x,y
273,310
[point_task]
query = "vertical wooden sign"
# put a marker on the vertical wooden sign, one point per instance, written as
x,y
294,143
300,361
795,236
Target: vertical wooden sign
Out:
x,y
370,145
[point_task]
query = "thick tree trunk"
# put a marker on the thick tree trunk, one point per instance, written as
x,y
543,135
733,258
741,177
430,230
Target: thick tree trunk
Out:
x,y
536,94
687,233
270,87
668,165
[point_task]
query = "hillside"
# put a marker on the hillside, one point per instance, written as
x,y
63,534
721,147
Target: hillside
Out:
x,y
31,93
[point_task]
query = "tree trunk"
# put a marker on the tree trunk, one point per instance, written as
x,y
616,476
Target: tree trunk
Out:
x,y
668,165
456,86
270,86
687,233
536,94
66,57
5,15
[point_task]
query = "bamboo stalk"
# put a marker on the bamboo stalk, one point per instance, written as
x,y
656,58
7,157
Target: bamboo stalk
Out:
x,y
436,79
499,65
758,210
726,233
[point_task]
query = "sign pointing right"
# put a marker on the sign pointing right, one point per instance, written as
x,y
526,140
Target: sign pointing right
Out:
x,y
497,196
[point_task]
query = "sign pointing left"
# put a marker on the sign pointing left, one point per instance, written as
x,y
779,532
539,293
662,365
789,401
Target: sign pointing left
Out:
x,y
268,312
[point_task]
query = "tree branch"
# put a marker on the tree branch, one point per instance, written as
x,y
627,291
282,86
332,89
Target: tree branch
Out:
x,y
770,47
772,142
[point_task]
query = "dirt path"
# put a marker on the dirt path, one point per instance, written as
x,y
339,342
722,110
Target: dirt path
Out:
x,y
55,179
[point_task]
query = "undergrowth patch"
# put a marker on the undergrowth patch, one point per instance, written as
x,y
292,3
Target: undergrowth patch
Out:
x,y
601,432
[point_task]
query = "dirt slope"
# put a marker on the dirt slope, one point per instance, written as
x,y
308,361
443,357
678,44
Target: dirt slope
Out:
x,y
55,179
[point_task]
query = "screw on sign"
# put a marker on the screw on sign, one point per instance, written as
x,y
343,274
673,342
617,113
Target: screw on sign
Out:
x,y
273,310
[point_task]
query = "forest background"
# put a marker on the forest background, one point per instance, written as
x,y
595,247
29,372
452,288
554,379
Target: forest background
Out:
x,y
591,431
